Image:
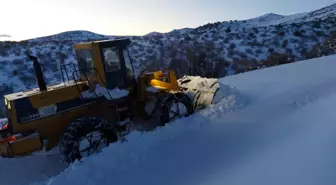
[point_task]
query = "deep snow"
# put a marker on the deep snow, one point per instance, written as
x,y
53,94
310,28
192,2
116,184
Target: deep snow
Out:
x,y
279,129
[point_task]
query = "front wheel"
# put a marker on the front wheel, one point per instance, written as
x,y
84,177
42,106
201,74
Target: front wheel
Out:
x,y
176,106
86,136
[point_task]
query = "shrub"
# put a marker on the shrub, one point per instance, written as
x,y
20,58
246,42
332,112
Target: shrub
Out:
x,y
251,35
187,38
282,33
278,27
263,34
258,51
316,24
255,30
18,62
319,33
228,30
284,43
17,52
248,51
5,89
31,70
54,66
27,79
298,33
232,46
15,72
289,50
242,55
149,50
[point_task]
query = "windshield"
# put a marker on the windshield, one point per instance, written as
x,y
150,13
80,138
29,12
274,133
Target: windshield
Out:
x,y
111,59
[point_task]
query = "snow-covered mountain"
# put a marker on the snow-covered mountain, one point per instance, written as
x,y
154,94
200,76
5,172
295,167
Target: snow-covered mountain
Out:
x,y
4,35
272,19
275,19
213,50
270,128
74,36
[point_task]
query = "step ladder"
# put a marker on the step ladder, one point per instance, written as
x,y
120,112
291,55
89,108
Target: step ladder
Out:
x,y
124,125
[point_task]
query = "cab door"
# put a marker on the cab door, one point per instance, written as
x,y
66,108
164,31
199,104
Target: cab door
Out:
x,y
117,72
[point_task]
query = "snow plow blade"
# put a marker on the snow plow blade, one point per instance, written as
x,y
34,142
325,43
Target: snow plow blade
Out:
x,y
203,91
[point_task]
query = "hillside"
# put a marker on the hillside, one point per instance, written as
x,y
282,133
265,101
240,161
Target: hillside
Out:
x,y
212,50
270,129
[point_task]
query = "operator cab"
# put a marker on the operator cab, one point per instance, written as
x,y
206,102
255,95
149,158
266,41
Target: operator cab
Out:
x,y
110,58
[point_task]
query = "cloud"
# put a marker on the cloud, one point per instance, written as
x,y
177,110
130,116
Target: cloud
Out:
x,y
5,35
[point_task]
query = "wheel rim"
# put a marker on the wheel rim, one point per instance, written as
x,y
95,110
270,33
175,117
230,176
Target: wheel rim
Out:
x,y
90,144
177,109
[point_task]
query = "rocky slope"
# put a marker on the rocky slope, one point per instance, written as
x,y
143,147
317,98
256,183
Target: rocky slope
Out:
x,y
212,50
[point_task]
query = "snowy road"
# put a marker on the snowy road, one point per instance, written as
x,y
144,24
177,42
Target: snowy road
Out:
x,y
285,134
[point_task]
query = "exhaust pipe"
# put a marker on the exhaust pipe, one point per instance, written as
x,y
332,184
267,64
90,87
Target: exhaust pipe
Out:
x,y
39,74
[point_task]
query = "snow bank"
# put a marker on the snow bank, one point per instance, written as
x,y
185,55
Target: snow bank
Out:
x,y
284,135
25,170
128,156
299,150
227,99
208,91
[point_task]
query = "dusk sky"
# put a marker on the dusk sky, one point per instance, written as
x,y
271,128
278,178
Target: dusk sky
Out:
x,y
23,19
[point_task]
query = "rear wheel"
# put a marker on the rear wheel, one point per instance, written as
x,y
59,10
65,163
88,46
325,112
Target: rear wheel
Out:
x,y
86,136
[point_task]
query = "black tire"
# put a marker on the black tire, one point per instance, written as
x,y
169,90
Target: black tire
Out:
x,y
78,130
166,106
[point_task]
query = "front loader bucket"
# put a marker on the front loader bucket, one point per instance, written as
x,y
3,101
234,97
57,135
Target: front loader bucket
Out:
x,y
203,91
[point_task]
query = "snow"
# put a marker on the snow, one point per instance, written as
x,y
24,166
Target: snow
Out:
x,y
300,154
3,122
274,19
117,93
152,89
203,91
278,130
9,58
108,93
23,171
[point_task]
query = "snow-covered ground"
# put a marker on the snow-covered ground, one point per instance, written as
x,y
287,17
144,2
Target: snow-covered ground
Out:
x,y
24,171
279,129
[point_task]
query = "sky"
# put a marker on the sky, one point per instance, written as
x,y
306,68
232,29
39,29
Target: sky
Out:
x,y
24,19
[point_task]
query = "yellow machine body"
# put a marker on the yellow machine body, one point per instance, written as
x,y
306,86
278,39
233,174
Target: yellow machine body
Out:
x,y
37,118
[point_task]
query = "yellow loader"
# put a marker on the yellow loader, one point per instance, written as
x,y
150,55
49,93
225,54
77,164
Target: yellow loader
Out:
x,y
97,103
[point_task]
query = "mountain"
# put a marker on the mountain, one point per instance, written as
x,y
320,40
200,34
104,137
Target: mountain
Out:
x,y
212,50
269,125
5,35
71,35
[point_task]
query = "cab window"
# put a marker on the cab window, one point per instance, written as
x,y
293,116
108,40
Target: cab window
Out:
x,y
128,64
111,59
85,60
